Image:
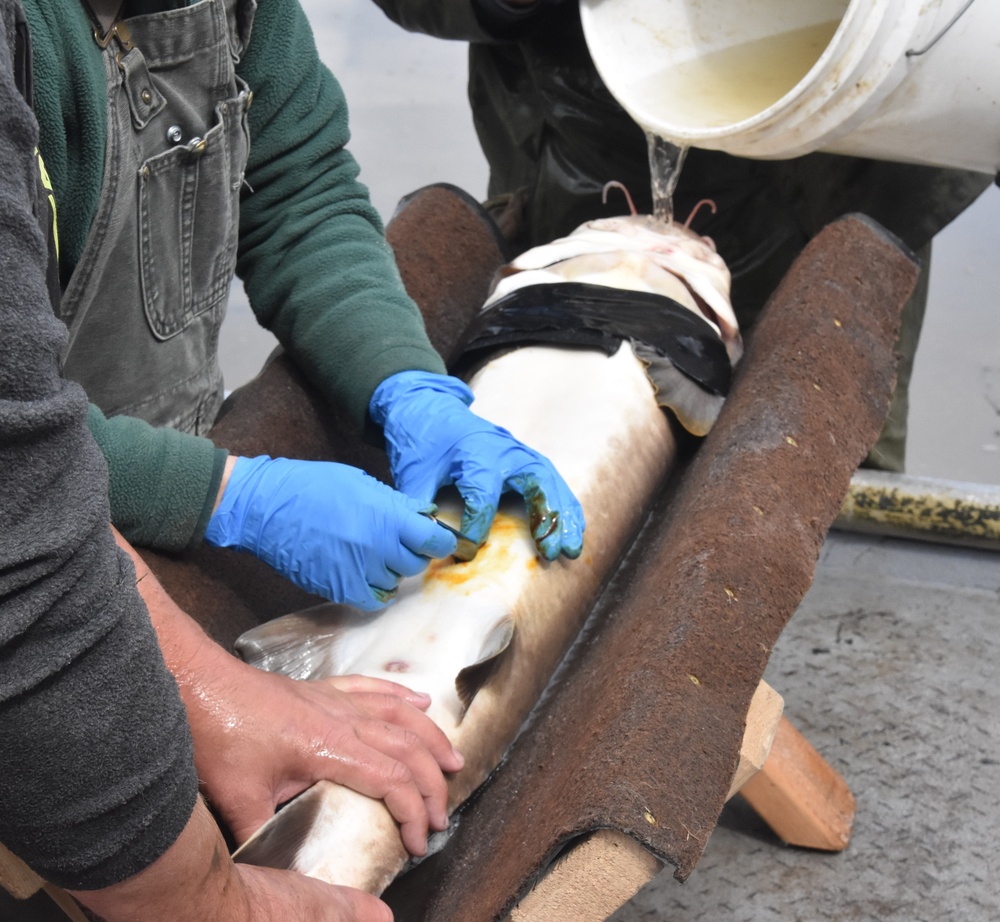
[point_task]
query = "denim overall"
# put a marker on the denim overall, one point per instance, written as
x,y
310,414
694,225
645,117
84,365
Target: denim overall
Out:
x,y
148,295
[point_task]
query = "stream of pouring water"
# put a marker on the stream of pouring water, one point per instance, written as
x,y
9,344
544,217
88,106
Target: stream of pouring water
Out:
x,y
665,162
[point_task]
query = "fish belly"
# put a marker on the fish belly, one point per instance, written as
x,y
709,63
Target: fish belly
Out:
x,y
507,613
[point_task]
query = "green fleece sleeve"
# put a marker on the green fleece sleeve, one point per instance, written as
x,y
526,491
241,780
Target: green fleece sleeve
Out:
x,y
313,255
162,482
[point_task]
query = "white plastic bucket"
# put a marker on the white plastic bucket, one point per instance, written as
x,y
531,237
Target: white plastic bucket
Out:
x,y
892,79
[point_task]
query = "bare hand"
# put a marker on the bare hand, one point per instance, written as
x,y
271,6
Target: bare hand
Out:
x,y
367,734
262,738
279,896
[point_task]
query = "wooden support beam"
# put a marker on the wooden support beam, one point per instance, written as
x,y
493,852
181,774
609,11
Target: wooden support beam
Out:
x,y
800,796
66,903
763,719
591,881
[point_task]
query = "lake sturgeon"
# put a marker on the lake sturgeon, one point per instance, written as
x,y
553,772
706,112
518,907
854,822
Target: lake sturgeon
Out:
x,y
601,329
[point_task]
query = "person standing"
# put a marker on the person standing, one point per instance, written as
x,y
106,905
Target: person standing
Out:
x,y
186,142
553,135
98,787
144,231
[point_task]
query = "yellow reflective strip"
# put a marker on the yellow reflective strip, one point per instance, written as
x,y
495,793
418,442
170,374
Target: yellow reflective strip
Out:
x,y
47,183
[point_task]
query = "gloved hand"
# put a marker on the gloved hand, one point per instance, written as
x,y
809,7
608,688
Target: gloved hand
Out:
x,y
434,439
329,528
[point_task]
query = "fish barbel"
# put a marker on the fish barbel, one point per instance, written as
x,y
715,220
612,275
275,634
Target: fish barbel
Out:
x,y
483,637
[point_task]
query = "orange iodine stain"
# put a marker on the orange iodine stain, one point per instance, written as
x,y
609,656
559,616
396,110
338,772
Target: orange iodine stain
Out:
x,y
495,557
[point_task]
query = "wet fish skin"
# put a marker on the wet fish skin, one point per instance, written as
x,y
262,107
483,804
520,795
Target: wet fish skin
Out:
x,y
483,637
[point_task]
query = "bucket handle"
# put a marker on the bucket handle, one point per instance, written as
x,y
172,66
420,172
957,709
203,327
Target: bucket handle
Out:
x,y
916,52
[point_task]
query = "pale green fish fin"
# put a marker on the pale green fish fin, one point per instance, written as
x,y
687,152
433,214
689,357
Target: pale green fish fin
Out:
x,y
695,408
308,644
476,675
277,844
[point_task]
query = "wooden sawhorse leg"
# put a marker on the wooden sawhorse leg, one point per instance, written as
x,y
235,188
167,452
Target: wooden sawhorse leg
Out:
x,y
798,794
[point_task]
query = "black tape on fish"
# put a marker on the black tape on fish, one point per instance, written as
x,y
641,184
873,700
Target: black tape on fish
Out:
x,y
600,317
685,360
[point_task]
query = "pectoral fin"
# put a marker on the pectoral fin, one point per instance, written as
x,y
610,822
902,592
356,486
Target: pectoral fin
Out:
x,y
472,678
696,409
277,844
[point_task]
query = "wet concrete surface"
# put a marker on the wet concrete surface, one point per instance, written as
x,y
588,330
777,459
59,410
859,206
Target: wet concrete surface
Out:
x,y
889,669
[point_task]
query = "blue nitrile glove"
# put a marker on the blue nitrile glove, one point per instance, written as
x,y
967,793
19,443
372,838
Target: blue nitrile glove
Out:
x,y
329,528
434,439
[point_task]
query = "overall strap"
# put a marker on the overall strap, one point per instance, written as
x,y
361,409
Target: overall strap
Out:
x,y
104,14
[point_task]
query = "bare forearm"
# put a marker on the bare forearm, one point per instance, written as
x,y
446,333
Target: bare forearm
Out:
x,y
196,879
366,733
198,858
187,649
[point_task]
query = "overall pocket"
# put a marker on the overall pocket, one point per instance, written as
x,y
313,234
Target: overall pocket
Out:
x,y
189,221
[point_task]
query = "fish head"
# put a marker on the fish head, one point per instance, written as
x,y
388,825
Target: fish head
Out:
x,y
646,232
627,242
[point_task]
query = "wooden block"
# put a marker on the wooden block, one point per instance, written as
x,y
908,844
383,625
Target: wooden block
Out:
x,y
763,720
66,903
595,878
16,877
22,883
800,796
606,869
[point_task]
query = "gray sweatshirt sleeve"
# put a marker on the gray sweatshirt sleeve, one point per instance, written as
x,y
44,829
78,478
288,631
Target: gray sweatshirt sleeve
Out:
x,y
96,768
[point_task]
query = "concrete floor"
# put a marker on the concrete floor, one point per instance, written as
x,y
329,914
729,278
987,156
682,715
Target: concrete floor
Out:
x,y
889,669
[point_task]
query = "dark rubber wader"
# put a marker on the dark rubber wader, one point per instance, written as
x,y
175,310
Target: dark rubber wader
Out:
x,y
148,295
